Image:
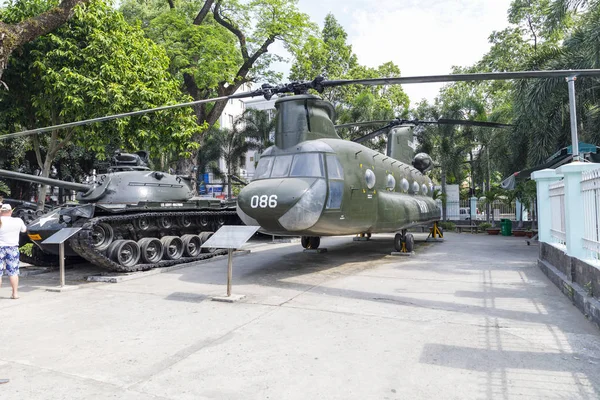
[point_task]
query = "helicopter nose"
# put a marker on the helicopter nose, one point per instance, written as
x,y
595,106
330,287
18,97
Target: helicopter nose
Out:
x,y
292,203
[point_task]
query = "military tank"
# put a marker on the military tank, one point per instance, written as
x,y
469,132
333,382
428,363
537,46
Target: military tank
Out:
x,y
132,218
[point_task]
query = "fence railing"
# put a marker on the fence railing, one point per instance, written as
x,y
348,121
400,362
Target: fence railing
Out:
x,y
590,191
557,205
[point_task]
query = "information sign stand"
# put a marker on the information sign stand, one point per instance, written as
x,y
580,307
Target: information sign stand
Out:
x,y
230,237
60,238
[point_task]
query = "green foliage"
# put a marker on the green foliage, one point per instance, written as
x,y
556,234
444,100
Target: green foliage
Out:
x,y
447,226
94,65
485,225
4,188
27,249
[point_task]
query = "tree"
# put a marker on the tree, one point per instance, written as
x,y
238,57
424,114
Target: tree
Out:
x,y
328,54
220,46
257,125
41,21
231,146
94,65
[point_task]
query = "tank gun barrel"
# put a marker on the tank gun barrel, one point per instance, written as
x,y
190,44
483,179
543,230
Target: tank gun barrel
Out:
x,y
79,187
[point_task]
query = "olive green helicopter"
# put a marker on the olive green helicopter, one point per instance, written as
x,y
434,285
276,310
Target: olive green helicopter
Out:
x,y
311,183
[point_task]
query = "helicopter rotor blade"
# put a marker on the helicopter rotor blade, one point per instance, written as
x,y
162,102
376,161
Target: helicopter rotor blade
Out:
x,y
416,122
447,121
319,84
373,134
367,123
462,77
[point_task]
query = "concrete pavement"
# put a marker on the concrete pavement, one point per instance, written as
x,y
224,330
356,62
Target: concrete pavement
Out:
x,y
470,318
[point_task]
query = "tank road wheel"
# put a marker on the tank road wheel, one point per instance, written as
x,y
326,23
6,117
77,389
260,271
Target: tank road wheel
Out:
x,y
398,241
219,222
204,236
173,246
151,250
124,252
314,242
185,221
203,222
304,241
191,245
165,222
142,224
102,236
409,241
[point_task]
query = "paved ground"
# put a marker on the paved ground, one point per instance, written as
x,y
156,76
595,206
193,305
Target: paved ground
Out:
x,y
471,318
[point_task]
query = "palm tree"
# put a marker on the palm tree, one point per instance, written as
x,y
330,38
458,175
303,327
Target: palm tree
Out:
x,y
231,146
489,198
257,125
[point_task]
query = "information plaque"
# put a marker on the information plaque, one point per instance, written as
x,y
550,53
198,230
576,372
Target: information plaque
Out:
x,y
231,236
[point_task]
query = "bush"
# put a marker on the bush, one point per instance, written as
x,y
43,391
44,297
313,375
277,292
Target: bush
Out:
x,y
27,249
447,226
485,225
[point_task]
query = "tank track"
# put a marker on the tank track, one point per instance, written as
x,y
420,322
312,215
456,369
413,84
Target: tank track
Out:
x,y
82,241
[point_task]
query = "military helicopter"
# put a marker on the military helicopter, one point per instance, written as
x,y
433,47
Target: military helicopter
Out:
x,y
312,183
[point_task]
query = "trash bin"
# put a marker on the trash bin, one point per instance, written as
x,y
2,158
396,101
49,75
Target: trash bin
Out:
x,y
506,227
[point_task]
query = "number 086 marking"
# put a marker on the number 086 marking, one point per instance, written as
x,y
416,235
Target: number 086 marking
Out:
x,y
264,201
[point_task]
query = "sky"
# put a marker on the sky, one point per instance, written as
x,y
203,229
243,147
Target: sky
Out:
x,y
422,37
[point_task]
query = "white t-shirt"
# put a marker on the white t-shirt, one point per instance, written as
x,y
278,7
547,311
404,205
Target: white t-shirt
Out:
x,y
9,231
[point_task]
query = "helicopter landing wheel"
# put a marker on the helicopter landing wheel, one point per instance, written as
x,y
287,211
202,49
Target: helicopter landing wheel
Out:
x,y
399,242
304,241
102,236
409,242
314,242
310,242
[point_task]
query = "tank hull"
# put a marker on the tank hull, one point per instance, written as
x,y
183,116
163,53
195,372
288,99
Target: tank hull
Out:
x,y
131,223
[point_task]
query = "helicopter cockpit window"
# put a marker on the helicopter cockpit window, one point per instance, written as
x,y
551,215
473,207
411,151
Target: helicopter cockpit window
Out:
x,y
281,166
263,169
307,165
334,168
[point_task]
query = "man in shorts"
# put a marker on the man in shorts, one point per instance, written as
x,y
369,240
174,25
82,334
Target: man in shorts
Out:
x,y
10,229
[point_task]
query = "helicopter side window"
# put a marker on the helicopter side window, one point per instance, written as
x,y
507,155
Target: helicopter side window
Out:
x,y
334,168
263,169
308,164
335,173
281,166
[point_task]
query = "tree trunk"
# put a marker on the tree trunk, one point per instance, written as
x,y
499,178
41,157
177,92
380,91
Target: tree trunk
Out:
x,y
43,189
14,36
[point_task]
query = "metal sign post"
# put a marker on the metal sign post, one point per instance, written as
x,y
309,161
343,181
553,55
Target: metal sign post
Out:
x,y
230,237
60,238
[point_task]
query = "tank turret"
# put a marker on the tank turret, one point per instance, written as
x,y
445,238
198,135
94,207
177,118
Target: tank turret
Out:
x,y
132,218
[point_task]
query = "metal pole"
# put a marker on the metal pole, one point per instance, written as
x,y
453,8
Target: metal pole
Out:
x,y
229,270
61,263
573,112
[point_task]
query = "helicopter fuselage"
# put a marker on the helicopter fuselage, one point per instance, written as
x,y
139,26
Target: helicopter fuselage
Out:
x,y
327,187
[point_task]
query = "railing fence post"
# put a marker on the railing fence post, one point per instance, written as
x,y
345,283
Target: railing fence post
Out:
x,y
543,179
574,212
